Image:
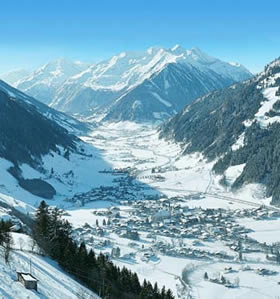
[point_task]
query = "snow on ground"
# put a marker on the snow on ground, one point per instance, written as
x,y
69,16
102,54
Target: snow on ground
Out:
x,y
233,172
269,94
85,214
79,174
252,284
127,144
263,230
165,271
239,142
53,282
160,165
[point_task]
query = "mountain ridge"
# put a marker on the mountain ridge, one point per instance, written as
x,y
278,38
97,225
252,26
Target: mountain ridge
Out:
x,y
235,126
101,86
27,135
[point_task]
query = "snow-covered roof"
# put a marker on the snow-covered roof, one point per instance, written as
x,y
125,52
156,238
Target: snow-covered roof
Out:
x,y
27,277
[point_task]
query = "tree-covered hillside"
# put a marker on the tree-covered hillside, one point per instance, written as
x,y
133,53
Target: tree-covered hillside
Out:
x,y
236,125
26,135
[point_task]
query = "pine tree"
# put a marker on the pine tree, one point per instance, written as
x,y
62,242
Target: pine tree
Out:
x,y
4,230
118,252
135,284
97,272
54,223
163,292
91,260
42,221
278,257
156,293
169,295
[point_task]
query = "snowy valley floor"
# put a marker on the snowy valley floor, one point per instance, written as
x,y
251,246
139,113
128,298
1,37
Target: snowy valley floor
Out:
x,y
133,176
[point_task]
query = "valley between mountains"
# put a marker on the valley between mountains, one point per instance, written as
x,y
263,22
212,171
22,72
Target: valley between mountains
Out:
x,y
190,202
165,211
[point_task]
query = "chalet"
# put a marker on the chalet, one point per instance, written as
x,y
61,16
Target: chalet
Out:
x,y
28,280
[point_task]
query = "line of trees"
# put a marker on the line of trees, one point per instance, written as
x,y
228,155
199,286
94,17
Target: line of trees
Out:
x,y
98,273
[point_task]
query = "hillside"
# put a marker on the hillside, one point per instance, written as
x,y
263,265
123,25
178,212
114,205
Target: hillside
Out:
x,y
70,124
165,93
27,136
238,125
52,279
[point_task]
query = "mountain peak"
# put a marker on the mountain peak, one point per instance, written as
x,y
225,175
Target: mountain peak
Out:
x,y
177,46
153,50
62,60
197,50
59,62
199,56
177,49
66,88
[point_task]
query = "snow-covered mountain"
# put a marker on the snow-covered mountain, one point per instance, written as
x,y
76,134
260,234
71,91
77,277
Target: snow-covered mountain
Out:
x,y
165,93
27,135
148,85
237,127
43,83
12,77
60,118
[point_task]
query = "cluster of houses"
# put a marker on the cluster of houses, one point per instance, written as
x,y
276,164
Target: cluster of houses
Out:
x,y
171,219
261,213
124,188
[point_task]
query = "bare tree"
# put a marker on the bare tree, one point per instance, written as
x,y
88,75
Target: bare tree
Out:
x,y
186,273
32,244
7,244
21,243
237,281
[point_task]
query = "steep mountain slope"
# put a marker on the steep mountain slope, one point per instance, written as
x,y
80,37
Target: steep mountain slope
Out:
x,y
26,136
60,118
14,76
148,85
43,83
165,93
236,126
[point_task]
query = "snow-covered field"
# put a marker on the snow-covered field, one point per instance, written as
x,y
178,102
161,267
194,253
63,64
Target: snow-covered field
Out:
x,y
154,168
130,145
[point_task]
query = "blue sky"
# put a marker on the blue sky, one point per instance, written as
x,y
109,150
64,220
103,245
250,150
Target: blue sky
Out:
x,y
34,32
